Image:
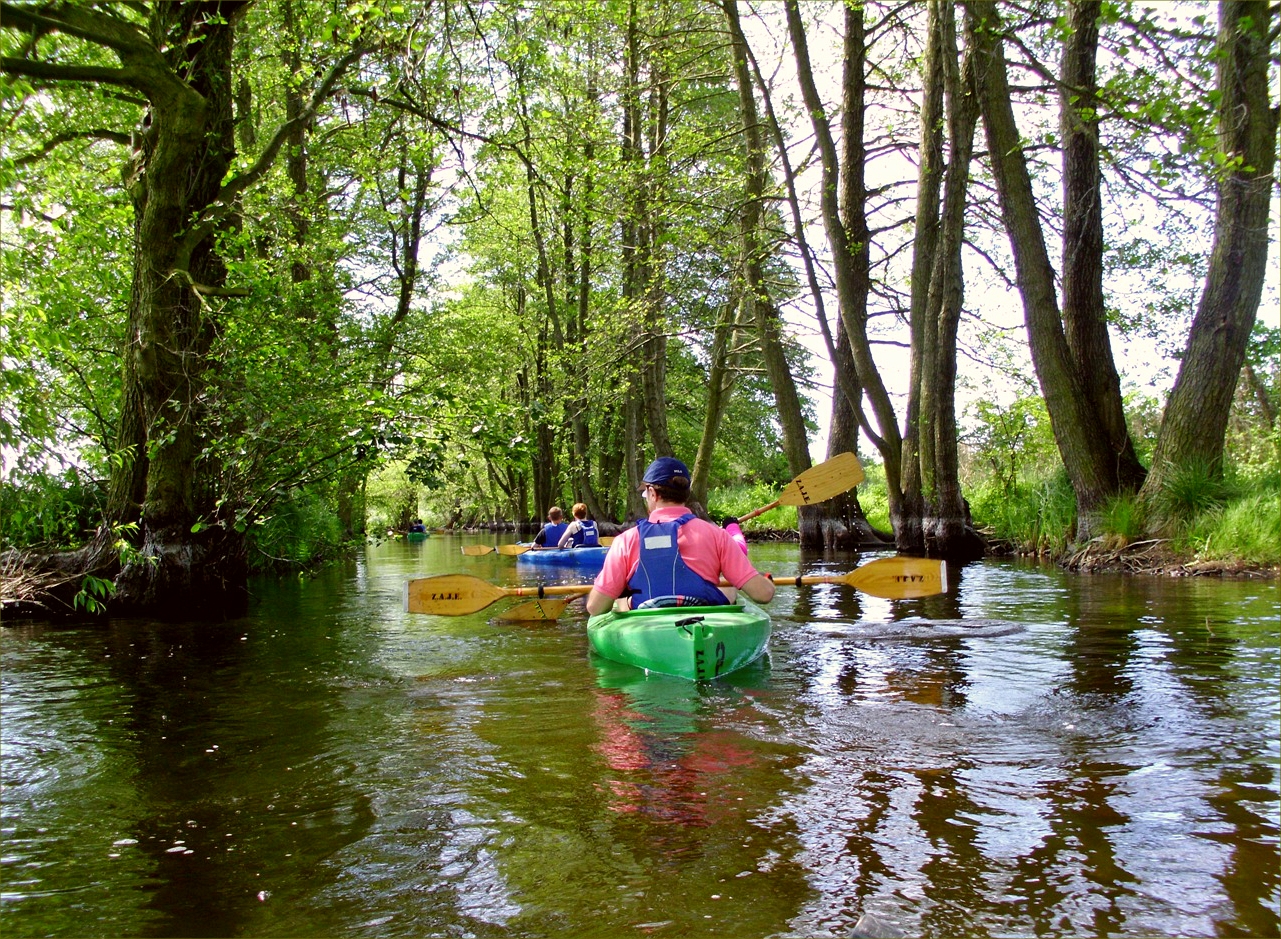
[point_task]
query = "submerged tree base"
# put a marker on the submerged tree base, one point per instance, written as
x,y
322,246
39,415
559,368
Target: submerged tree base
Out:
x,y
195,576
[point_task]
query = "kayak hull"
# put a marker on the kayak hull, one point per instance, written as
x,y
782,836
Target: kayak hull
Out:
x,y
416,536
694,642
581,558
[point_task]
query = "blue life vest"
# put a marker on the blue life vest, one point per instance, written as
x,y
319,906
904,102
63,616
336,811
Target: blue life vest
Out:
x,y
551,534
586,534
662,573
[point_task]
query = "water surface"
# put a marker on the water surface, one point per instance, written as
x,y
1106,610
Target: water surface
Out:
x,y
1032,754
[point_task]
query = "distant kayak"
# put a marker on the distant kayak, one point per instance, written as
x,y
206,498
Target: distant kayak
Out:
x,y
694,642
580,557
416,536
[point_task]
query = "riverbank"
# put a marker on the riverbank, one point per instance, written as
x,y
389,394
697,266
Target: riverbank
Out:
x,y
1156,557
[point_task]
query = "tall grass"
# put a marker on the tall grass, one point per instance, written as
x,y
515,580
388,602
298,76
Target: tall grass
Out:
x,y
1248,529
1033,514
1192,490
1204,517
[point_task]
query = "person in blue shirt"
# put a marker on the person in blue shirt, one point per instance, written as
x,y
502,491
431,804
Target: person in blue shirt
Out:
x,y
549,535
581,531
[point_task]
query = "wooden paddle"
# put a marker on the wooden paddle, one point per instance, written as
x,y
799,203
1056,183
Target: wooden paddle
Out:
x,y
460,594
898,578
511,550
817,484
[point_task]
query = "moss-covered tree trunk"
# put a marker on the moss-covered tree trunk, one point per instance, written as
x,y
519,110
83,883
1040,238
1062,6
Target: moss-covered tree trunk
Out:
x,y
183,152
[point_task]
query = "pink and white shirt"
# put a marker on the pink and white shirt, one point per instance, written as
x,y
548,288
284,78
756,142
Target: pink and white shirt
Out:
x,y
707,549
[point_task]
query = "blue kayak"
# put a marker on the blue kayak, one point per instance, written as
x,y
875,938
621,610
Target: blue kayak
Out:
x,y
580,557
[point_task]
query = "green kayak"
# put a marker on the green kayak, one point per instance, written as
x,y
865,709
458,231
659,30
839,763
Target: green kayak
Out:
x,y
694,642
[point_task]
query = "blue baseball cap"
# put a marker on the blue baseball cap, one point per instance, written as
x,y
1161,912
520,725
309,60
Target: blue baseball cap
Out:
x,y
664,470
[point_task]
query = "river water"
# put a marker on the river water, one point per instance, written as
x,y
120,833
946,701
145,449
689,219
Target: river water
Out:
x,y
1032,754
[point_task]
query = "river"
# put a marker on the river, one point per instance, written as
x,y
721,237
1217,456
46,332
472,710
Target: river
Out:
x,y
1032,754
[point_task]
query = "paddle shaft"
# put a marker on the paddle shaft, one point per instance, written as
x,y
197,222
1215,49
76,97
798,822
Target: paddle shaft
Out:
x,y
761,511
459,594
512,550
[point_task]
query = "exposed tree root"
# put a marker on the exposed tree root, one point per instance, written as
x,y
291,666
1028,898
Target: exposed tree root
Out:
x,y
1152,556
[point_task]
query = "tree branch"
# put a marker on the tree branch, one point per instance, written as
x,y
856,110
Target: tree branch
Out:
x,y
66,137
225,205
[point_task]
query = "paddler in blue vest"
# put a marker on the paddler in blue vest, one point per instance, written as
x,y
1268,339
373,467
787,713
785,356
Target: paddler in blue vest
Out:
x,y
549,535
672,552
581,532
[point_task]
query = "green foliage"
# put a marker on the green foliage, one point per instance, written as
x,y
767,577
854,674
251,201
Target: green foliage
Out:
x,y
333,358
391,498
303,532
1008,442
740,499
1253,441
874,497
93,594
49,510
1248,529
1038,514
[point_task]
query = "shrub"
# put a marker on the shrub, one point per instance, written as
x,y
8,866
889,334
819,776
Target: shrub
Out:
x,y
304,532
50,510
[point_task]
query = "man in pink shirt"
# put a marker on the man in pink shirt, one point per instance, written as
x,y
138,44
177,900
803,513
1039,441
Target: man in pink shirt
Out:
x,y
673,553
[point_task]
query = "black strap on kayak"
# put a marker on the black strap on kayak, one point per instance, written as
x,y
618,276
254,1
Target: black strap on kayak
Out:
x,y
689,621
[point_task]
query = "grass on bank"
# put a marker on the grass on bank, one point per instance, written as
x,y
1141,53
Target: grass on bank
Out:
x,y
1203,517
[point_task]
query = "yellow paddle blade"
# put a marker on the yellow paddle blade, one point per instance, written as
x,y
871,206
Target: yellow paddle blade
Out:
x,y
607,541
825,481
476,550
450,594
533,611
511,550
899,578
460,594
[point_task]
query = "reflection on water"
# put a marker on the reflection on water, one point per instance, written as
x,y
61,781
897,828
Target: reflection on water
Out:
x,y
1031,753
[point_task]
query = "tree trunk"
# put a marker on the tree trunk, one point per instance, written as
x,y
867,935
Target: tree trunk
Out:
x,y
842,196
840,523
945,528
176,174
582,463
722,366
1077,430
1084,312
753,250
909,525
1196,416
190,558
